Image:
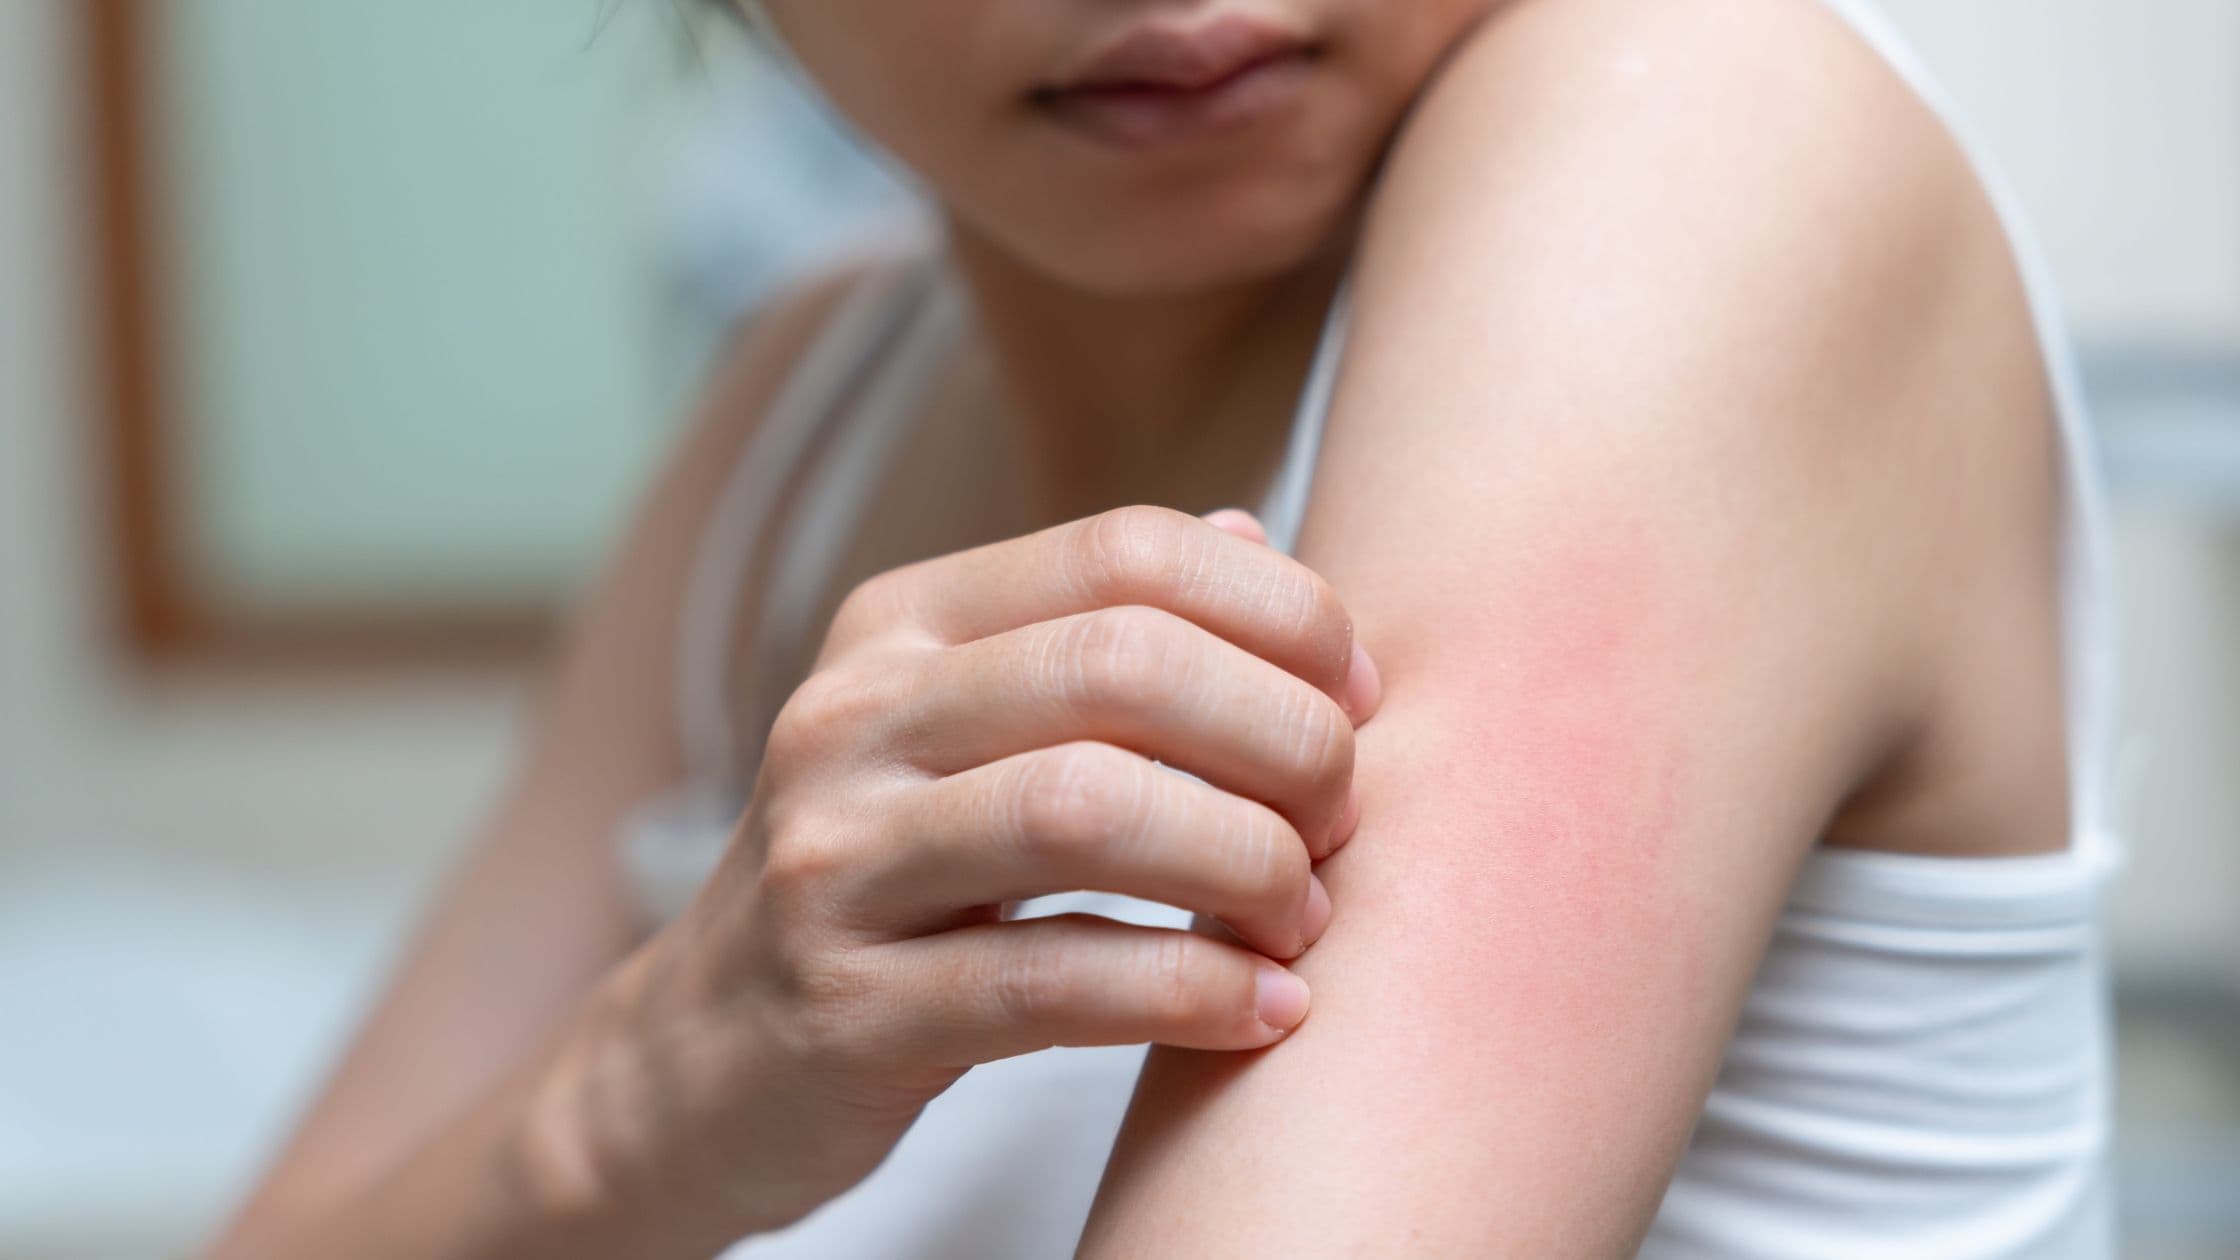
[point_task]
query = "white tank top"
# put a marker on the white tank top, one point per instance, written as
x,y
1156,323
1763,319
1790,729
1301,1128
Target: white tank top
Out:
x,y
1921,1067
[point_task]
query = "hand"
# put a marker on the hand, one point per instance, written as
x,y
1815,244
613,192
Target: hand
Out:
x,y
979,728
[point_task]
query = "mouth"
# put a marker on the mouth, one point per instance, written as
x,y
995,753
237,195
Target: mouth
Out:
x,y
1165,82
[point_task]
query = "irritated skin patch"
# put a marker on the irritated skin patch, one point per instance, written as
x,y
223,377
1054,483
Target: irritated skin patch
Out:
x,y
1564,779
1516,946
1523,795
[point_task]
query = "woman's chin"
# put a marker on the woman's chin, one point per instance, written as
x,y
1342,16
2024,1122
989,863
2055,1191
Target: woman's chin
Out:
x,y
1130,262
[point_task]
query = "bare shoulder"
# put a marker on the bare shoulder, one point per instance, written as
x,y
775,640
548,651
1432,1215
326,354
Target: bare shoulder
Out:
x,y
764,347
1782,78
1762,137
1732,217
611,701
1721,255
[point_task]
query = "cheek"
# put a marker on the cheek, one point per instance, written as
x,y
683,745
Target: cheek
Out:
x,y
902,71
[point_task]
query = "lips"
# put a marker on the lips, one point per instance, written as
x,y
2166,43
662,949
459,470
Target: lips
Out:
x,y
1182,58
1164,81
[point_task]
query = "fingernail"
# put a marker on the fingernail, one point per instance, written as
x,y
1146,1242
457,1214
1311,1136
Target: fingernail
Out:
x,y
1316,920
1281,997
1349,819
1364,687
1236,521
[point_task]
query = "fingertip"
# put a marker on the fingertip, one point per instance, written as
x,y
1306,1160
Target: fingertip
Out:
x,y
1349,821
1364,686
1237,521
1280,998
1315,920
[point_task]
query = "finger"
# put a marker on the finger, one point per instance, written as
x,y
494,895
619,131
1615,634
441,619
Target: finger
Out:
x,y
1150,682
993,990
1094,816
1245,592
1364,687
1239,522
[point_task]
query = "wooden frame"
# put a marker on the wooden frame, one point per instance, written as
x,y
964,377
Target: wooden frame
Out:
x,y
160,612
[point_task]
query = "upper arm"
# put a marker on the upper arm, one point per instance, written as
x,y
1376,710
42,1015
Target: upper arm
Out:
x,y
536,911
1646,316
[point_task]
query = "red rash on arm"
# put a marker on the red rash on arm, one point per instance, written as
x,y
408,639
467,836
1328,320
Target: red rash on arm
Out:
x,y
1554,804
1535,790
1619,484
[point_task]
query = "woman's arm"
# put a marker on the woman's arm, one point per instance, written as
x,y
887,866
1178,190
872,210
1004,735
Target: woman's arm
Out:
x,y
1641,482
536,913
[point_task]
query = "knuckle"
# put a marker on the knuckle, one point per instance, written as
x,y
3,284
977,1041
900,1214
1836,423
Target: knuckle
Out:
x,y
867,606
1325,747
813,984
1027,986
1272,861
828,710
1071,794
1131,653
805,721
1305,607
1132,551
1172,992
1299,606
803,858
831,994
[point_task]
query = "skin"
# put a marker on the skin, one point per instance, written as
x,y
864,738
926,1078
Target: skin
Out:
x,y
1690,522
1680,594
1141,311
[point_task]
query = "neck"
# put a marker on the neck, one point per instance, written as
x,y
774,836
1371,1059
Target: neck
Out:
x,y
1177,398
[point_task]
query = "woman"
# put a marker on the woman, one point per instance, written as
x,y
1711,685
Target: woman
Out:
x,y
1703,865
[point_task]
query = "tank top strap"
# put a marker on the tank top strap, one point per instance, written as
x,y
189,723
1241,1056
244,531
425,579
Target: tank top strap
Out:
x,y
841,361
667,846
836,494
1284,508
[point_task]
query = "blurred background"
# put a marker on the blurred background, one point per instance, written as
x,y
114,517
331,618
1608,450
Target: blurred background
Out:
x,y
335,338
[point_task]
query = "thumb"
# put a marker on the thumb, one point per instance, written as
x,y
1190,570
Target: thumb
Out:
x,y
1237,521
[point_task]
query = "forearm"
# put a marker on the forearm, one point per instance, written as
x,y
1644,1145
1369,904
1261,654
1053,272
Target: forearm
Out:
x,y
554,1161
479,1188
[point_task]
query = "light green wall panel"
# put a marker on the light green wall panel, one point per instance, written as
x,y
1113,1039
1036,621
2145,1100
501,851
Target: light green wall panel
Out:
x,y
413,307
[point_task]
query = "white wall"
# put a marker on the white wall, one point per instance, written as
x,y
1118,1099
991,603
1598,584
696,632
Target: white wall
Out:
x,y
2176,912
416,327
2118,122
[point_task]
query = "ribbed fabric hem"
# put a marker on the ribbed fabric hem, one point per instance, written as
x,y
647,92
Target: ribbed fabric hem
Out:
x,y
1981,894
